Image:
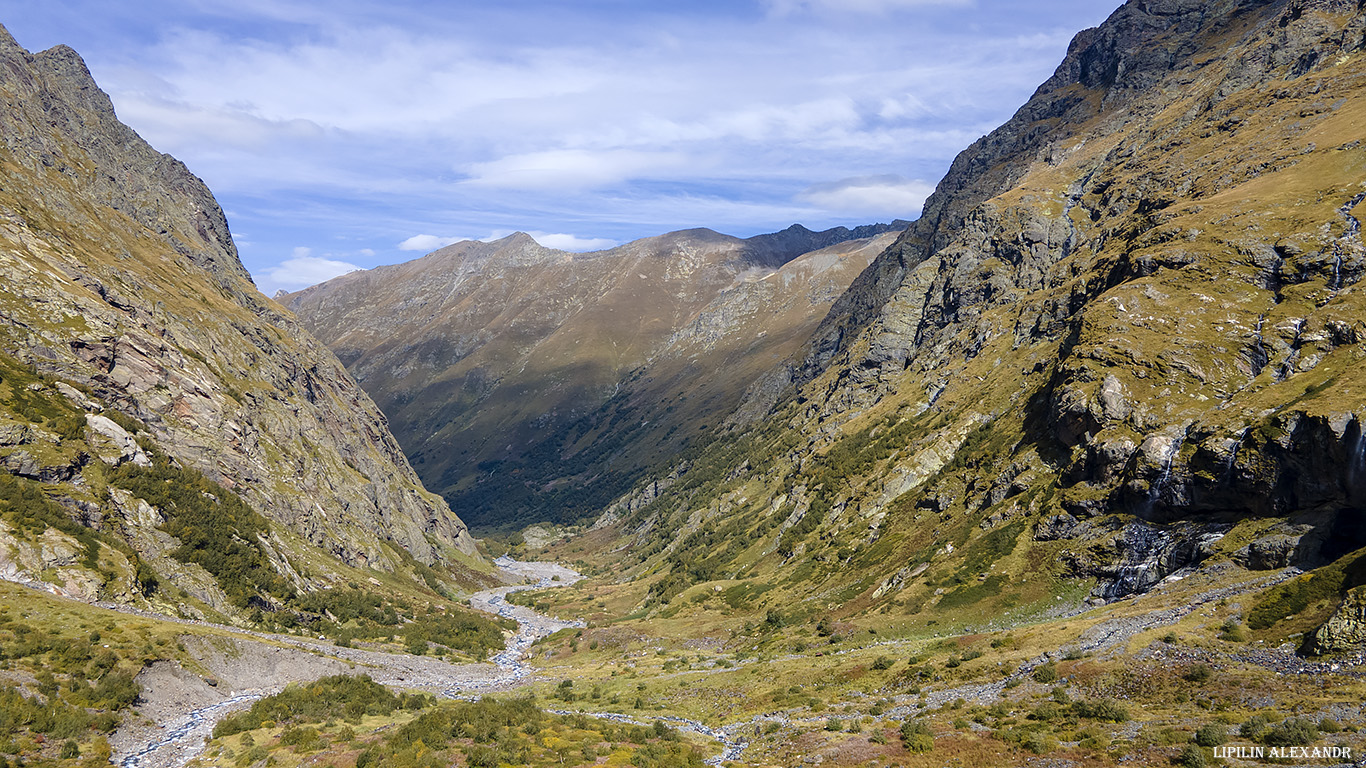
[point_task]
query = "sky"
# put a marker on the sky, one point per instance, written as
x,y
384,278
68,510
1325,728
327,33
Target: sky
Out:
x,y
350,133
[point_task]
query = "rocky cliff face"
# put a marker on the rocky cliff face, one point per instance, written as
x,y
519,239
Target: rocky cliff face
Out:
x,y
1125,336
532,384
123,296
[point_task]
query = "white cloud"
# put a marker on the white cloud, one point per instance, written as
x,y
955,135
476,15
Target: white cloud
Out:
x,y
428,243
871,196
557,240
571,169
564,242
879,7
301,271
364,123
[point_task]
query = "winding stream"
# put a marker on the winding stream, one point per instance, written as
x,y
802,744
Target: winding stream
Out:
x,y
532,626
183,738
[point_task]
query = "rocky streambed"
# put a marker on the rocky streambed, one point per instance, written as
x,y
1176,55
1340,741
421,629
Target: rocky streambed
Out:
x,y
180,708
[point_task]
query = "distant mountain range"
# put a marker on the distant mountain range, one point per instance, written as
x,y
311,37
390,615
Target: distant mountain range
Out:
x,y
529,384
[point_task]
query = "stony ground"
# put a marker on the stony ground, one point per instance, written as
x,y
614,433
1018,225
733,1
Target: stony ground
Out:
x,y
180,706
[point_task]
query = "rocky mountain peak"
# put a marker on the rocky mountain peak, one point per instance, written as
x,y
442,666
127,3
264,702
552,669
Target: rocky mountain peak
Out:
x,y
64,121
1123,338
122,284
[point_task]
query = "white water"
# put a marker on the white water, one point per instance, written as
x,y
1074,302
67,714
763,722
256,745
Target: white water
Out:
x,y
184,736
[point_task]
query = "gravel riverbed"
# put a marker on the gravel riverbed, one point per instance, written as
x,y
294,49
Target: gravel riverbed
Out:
x,y
179,708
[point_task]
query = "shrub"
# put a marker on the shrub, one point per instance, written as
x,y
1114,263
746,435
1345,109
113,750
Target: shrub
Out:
x,y
304,739
1200,673
1232,631
1192,757
1329,725
882,662
329,697
1032,739
1211,735
1255,728
1292,732
1102,709
1046,673
917,736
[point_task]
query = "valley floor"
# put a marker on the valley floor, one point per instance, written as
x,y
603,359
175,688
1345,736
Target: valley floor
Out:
x,y
1131,683
232,668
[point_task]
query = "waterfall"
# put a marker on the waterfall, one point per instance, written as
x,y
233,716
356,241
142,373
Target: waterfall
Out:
x,y
1160,484
1233,455
1356,463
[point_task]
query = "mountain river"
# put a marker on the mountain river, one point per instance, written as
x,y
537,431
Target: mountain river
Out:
x,y
183,738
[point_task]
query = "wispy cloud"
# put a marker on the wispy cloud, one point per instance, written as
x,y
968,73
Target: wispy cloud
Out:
x,y
885,195
428,243
301,270
351,125
572,170
557,240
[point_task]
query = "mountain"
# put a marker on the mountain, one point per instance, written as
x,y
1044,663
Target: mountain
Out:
x,y
161,422
529,384
1122,342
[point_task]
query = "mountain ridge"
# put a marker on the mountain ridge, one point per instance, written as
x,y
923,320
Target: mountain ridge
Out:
x,y
131,322
1120,341
504,349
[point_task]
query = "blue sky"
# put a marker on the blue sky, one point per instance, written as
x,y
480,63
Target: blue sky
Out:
x,y
352,133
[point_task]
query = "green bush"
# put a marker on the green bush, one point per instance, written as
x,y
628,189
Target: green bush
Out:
x,y
1102,709
1033,739
1047,673
303,739
1255,728
917,736
1211,735
1292,732
1192,757
340,696
1199,673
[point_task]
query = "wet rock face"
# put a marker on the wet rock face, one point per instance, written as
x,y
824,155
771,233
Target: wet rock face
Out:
x,y
1129,559
121,279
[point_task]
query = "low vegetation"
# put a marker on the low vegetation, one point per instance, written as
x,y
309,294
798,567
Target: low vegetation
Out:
x,y
353,718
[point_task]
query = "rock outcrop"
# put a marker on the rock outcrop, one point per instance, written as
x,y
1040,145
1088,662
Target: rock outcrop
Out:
x,y
1346,629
